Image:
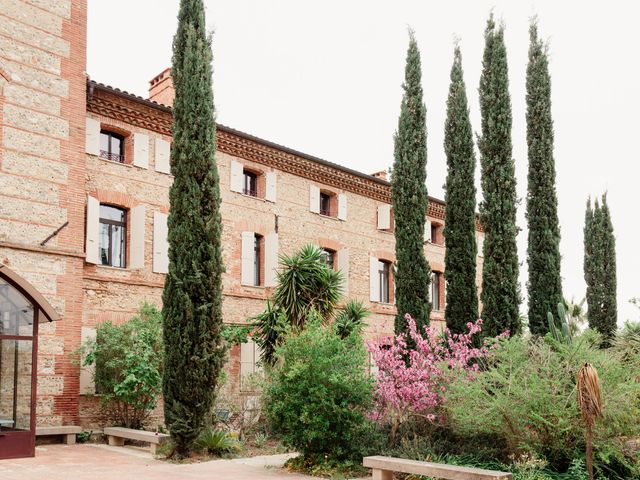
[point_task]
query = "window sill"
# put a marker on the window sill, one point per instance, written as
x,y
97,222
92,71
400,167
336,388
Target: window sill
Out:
x,y
331,217
118,269
112,162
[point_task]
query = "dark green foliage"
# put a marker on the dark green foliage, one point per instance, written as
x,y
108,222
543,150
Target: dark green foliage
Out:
x,y
543,252
128,367
318,394
409,198
216,442
600,270
270,326
609,319
461,306
192,297
500,289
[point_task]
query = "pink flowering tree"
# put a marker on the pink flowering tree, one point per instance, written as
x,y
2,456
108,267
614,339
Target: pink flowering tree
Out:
x,y
411,383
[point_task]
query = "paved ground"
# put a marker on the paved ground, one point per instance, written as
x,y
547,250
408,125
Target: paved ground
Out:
x,y
101,462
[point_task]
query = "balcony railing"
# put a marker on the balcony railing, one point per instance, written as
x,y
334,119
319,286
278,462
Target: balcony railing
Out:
x,y
114,157
252,192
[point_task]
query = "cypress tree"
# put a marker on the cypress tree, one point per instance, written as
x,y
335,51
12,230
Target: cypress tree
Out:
x,y
192,297
460,197
589,264
500,290
545,283
609,313
409,198
600,270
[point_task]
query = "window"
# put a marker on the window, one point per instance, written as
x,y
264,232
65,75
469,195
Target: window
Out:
x,y
328,257
111,146
113,234
250,185
249,364
384,269
257,259
436,281
325,204
437,236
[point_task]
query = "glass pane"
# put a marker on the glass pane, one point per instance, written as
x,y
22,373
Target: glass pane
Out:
x,y
16,312
111,213
104,141
15,384
104,244
117,246
116,145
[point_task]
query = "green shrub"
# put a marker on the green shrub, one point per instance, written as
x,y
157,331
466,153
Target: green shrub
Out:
x,y
216,442
128,365
318,393
527,398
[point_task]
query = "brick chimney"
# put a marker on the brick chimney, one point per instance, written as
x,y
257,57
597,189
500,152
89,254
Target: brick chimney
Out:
x,y
161,88
382,174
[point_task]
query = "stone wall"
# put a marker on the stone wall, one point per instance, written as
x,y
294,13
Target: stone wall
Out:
x,y
42,108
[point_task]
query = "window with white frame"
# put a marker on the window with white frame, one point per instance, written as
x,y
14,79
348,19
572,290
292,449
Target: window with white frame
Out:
x,y
250,364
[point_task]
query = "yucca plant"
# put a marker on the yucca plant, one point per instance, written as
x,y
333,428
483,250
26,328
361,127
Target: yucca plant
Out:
x,y
627,341
217,442
590,405
307,286
349,318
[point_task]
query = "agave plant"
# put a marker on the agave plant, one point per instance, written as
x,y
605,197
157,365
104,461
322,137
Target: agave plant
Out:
x,y
627,341
216,442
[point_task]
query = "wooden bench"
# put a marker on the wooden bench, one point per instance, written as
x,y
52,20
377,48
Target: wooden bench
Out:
x,y
68,432
117,436
383,468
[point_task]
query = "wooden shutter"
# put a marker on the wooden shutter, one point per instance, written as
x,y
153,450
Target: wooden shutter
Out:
x,y
270,190
160,243
93,231
141,150
92,137
137,219
87,382
480,243
314,199
236,176
163,154
343,266
342,206
247,275
248,360
271,260
427,230
374,279
384,217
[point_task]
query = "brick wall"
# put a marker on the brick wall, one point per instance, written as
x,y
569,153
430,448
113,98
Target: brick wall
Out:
x,y
42,59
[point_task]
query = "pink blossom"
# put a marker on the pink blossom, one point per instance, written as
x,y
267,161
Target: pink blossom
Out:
x,y
412,382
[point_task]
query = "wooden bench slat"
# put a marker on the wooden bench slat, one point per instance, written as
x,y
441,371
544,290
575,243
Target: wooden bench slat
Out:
x,y
132,434
438,470
57,430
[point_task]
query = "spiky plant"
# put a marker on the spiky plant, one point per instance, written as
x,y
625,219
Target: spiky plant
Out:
x,y
590,405
350,318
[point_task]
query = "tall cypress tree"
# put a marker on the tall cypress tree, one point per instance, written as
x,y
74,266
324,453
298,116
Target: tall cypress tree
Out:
x,y
192,297
409,198
609,314
589,264
500,290
600,270
545,283
460,197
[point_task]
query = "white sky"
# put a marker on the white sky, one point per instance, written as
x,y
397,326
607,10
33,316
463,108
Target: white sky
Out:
x,y
324,77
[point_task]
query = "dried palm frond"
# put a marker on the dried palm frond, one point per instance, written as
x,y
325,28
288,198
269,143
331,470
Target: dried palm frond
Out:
x,y
589,396
590,405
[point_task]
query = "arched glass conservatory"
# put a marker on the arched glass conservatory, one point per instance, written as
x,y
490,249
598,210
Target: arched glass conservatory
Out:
x,y
22,307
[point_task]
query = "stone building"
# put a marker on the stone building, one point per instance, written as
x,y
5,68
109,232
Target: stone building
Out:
x,y
84,181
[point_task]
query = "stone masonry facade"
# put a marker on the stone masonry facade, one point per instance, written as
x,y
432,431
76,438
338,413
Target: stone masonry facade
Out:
x,y
51,170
